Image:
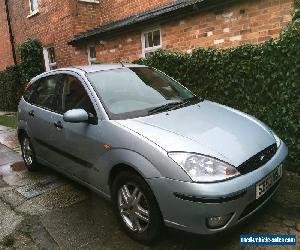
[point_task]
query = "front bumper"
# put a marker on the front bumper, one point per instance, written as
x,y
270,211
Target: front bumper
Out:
x,y
186,205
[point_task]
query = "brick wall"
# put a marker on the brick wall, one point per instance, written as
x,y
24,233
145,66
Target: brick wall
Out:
x,y
53,25
58,21
251,21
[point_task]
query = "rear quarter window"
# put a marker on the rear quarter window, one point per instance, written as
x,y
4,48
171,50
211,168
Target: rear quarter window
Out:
x,y
29,90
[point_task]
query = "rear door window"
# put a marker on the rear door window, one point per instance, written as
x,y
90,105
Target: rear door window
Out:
x,y
45,94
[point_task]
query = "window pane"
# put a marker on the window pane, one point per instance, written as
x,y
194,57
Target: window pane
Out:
x,y
92,52
152,39
51,55
156,38
33,5
44,95
147,40
75,97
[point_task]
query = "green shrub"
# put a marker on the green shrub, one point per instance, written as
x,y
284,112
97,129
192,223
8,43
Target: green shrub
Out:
x,y
14,79
262,80
32,60
10,88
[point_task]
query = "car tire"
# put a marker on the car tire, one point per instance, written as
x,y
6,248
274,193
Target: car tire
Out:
x,y
28,154
136,207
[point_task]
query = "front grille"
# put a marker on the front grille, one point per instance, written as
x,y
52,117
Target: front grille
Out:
x,y
258,160
255,204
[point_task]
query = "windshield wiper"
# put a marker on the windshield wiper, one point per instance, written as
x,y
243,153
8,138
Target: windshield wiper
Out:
x,y
164,107
186,102
175,105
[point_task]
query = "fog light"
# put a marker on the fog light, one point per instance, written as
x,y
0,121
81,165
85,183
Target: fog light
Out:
x,y
218,221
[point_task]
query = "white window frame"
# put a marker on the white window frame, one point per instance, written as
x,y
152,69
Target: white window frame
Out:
x,y
89,1
91,60
33,12
48,65
151,49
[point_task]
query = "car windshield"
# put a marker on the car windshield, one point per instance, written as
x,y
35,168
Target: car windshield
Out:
x,y
138,91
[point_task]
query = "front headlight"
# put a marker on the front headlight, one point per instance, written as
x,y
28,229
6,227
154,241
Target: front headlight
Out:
x,y
201,168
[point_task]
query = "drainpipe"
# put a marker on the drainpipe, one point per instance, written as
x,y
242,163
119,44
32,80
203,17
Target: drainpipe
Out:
x,y
11,36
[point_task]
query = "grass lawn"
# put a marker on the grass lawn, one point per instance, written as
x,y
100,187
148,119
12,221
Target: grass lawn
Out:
x,y
8,121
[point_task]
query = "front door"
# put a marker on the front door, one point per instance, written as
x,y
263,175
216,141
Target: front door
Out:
x,y
78,143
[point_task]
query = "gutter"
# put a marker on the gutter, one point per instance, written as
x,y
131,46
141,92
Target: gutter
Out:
x,y
11,36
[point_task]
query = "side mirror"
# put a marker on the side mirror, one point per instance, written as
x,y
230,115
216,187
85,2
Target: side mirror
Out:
x,y
76,116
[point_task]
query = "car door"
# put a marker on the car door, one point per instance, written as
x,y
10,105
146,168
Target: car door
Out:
x,y
39,117
80,144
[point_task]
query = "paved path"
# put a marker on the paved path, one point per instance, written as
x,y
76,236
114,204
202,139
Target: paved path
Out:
x,y
43,210
8,137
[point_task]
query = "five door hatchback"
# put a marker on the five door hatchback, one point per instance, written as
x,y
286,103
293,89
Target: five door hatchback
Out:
x,y
161,154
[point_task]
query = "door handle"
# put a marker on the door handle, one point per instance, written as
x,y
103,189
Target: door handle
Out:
x,y
31,113
58,125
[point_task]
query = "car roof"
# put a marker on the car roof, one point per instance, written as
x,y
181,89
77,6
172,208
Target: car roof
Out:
x,y
100,67
89,69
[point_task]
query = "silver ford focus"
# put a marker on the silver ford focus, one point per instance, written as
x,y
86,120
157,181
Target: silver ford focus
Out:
x,y
162,155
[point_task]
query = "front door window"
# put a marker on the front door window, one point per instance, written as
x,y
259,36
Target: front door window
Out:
x,y
74,96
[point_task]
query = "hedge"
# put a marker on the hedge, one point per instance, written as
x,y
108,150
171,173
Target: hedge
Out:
x,y
262,80
14,78
10,88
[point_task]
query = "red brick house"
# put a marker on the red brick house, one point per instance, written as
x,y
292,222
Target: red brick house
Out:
x,y
75,32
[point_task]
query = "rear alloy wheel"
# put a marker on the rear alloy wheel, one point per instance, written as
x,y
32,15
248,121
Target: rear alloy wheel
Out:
x,y
136,207
28,154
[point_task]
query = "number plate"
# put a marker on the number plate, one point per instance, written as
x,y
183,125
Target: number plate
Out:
x,y
264,185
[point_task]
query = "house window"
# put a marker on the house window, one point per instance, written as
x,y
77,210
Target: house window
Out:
x,y
33,6
92,54
49,57
151,41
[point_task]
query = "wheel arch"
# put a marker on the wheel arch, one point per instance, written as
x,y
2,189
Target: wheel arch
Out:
x,y
121,167
127,160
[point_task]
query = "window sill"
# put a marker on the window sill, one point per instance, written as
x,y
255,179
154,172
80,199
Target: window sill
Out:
x,y
33,14
150,50
89,1
92,61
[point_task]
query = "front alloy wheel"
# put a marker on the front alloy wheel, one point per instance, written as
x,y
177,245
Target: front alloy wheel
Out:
x,y
136,207
133,207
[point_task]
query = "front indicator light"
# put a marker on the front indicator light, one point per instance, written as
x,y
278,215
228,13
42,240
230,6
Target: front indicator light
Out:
x,y
215,222
106,147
